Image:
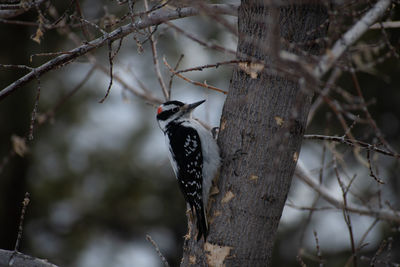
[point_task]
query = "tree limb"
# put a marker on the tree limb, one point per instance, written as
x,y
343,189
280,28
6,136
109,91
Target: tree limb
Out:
x,y
17,259
154,18
351,36
351,142
384,214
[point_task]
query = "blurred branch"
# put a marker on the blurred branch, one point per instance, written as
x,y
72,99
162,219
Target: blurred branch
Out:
x,y
351,142
197,40
215,65
386,24
17,259
384,214
205,85
350,37
155,18
164,260
371,121
14,9
153,44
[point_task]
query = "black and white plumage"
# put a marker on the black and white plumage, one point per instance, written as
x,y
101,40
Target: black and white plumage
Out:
x,y
194,156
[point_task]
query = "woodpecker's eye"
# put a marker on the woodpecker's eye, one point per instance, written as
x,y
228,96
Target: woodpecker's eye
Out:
x,y
175,109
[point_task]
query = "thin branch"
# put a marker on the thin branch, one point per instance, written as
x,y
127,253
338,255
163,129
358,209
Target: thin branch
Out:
x,y
386,25
197,40
171,78
351,142
43,118
350,37
8,66
154,18
25,204
19,259
366,111
84,28
318,102
216,65
94,25
319,254
346,215
384,214
34,112
164,260
205,85
111,63
153,44
371,173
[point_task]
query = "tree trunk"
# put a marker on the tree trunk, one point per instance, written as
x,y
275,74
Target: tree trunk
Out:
x,y
261,130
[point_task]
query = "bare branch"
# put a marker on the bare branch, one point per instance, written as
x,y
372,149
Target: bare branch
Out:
x,y
350,37
216,65
351,142
154,18
164,260
153,44
197,40
171,78
379,213
205,85
34,112
386,25
21,260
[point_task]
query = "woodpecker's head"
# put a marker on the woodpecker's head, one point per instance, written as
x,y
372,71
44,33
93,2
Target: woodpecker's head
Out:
x,y
174,110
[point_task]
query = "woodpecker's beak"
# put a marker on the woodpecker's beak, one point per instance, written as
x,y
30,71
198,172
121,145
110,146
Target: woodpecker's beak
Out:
x,y
190,107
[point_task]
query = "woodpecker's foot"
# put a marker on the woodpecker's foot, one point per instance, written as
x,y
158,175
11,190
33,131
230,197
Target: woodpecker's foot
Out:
x,y
179,9
215,132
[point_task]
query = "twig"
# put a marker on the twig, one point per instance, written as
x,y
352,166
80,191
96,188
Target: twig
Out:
x,y
164,260
319,254
153,44
193,82
216,65
94,25
154,18
366,111
361,242
386,25
85,31
48,54
9,66
43,118
346,215
25,204
317,103
351,142
34,112
351,36
110,61
197,40
383,214
171,78
371,173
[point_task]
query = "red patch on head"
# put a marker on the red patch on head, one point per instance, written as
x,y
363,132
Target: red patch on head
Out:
x,y
159,110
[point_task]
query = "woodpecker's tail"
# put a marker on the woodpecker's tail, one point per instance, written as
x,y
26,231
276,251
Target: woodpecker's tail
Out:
x,y
202,225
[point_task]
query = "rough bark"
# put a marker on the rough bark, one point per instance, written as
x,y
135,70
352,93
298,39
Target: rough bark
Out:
x,y
261,130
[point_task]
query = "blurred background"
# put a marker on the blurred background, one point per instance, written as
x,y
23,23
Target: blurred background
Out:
x,y
98,174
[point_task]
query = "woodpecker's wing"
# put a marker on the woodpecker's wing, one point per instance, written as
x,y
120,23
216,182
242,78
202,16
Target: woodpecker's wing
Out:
x,y
185,146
